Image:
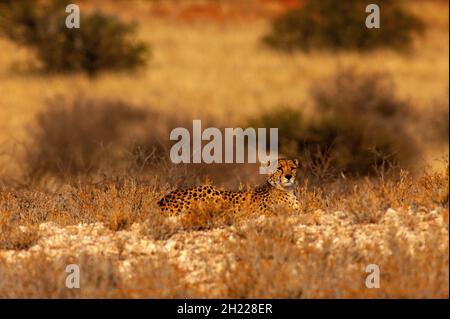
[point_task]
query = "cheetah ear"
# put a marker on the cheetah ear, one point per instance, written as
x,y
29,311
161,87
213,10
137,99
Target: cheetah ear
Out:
x,y
296,161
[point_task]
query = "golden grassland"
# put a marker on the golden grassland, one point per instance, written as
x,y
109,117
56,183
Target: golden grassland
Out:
x,y
125,248
200,69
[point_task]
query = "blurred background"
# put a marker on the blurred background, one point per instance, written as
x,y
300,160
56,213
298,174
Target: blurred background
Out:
x,y
100,101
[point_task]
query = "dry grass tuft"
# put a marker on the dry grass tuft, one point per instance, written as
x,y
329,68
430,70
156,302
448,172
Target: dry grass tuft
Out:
x,y
264,262
208,216
160,227
16,236
101,277
271,259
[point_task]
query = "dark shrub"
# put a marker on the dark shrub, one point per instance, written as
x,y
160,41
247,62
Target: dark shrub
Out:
x,y
149,151
358,127
77,138
94,140
332,24
151,144
435,122
101,43
353,93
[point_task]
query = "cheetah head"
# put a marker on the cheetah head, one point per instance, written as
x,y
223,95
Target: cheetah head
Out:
x,y
285,175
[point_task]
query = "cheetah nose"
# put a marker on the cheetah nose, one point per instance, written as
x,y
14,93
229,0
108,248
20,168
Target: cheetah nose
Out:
x,y
288,176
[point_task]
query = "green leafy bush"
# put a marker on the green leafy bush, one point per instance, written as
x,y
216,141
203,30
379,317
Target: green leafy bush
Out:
x,y
358,129
101,43
331,24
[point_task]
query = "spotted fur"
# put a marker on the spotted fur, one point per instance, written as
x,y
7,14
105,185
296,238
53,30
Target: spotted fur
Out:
x,y
276,193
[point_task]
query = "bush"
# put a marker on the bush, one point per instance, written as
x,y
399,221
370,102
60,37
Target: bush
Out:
x,y
101,43
351,91
358,127
92,139
331,24
77,138
149,151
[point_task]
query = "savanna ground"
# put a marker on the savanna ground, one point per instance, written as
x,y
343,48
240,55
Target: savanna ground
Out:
x,y
96,206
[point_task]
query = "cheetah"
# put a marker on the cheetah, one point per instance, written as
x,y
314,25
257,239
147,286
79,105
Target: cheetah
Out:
x,y
277,192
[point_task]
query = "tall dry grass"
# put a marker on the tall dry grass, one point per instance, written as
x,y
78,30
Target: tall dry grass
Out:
x,y
307,253
43,277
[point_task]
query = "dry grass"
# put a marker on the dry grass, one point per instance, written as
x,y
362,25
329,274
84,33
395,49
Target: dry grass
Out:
x,y
320,251
42,277
16,236
273,259
117,205
268,263
110,224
